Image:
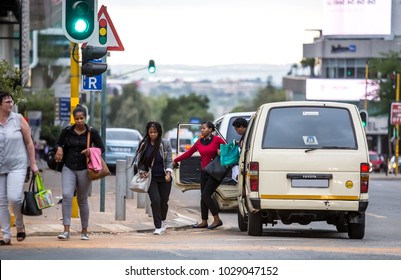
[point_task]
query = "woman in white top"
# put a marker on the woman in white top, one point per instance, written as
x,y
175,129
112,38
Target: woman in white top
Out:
x,y
16,151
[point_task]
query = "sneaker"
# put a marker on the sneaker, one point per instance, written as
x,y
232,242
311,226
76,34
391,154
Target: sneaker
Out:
x,y
84,236
164,226
158,231
65,235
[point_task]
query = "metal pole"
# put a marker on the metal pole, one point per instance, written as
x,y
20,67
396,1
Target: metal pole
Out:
x,y
129,175
148,207
120,190
91,108
366,85
103,134
141,200
397,98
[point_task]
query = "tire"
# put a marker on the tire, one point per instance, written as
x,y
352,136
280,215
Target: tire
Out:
x,y
242,221
357,231
255,227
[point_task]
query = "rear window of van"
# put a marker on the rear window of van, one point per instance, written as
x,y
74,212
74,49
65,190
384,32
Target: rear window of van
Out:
x,y
309,127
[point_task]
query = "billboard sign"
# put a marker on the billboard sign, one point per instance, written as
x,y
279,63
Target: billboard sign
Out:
x,y
368,17
341,89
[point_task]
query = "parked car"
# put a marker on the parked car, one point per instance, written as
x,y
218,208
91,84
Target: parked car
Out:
x,y
187,175
301,162
120,143
377,161
224,125
391,165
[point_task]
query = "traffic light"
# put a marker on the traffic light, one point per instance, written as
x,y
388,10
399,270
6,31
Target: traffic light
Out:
x,y
152,66
79,19
364,118
89,67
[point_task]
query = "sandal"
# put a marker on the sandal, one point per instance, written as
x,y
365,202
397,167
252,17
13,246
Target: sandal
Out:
x,y
3,243
21,235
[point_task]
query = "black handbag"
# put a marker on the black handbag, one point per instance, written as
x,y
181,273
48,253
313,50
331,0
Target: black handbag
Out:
x,y
216,170
52,163
29,206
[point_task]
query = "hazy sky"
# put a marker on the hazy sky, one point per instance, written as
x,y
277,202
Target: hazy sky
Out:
x,y
213,32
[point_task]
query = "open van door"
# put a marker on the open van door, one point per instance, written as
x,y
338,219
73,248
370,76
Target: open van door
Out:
x,y
187,175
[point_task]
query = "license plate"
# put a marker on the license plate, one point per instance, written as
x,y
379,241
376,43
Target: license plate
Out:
x,y
309,183
120,149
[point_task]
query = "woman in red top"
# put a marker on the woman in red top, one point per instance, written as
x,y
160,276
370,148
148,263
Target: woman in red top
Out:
x,y
207,146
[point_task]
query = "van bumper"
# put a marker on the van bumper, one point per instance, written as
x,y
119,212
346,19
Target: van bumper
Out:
x,y
303,204
363,205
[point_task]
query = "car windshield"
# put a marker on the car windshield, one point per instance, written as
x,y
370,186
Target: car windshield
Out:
x,y
309,128
123,135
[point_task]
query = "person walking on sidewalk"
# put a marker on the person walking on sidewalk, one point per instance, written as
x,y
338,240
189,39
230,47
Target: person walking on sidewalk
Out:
x,y
16,149
155,153
72,150
207,146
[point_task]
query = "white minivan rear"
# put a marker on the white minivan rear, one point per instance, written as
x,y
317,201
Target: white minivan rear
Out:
x,y
303,162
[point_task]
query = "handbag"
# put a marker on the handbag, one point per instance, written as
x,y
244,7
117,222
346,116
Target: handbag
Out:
x,y
92,174
29,206
141,184
43,198
229,153
215,169
51,161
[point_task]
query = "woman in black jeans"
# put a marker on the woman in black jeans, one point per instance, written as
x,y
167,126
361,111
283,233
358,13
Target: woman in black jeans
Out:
x,y
155,153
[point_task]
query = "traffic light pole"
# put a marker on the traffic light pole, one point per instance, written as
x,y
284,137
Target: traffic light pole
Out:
x,y
74,101
103,133
74,79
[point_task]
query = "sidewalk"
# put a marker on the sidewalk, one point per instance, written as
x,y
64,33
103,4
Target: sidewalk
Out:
x,y
136,219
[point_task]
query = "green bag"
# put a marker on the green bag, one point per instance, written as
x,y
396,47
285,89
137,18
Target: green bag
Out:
x,y
229,153
43,198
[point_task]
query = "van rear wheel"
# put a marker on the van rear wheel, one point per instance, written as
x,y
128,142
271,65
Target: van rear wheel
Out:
x,y
255,227
357,230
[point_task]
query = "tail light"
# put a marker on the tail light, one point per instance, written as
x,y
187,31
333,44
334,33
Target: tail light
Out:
x,y
364,177
254,176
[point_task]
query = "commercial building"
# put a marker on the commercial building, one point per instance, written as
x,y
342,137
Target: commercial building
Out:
x,y
353,32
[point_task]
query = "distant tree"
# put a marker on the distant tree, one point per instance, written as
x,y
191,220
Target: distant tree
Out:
x,y
129,110
309,62
184,108
267,95
382,69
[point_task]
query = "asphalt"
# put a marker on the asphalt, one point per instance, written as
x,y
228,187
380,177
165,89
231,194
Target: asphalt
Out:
x,y
106,218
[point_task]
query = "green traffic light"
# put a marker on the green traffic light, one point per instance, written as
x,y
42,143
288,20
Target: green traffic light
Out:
x,y
81,25
363,124
152,66
79,18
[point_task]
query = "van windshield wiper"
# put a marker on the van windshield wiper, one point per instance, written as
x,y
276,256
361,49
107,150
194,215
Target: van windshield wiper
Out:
x,y
328,147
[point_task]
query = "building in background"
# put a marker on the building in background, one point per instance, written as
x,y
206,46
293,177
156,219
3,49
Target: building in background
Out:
x,y
353,32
